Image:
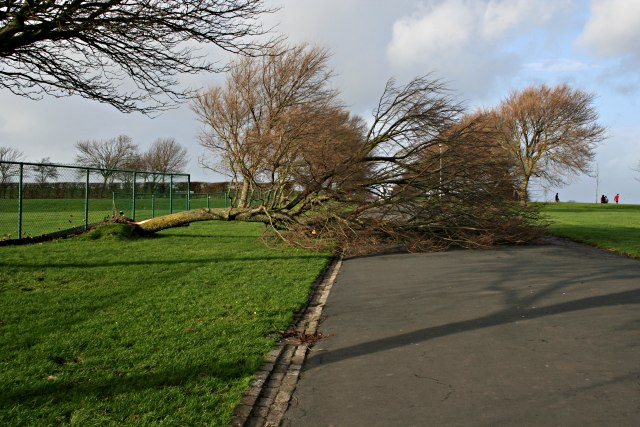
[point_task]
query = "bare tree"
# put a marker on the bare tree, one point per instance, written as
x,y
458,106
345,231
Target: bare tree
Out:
x,y
125,53
550,131
108,155
44,171
8,171
165,156
254,122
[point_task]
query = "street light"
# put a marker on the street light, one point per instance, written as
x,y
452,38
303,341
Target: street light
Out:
x,y
440,180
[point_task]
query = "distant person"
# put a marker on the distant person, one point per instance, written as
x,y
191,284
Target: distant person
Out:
x,y
617,198
604,199
558,198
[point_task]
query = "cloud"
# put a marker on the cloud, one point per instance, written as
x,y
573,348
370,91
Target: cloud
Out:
x,y
356,32
441,28
622,77
611,32
501,17
560,65
458,24
477,45
612,29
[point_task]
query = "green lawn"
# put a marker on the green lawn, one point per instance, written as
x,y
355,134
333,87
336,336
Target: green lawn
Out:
x,y
609,226
45,216
143,331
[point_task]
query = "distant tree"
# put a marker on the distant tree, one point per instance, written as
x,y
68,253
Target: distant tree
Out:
x,y
44,171
96,49
108,155
9,171
165,156
551,132
637,169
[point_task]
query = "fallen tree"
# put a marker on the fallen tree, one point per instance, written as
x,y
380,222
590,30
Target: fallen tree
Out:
x,y
421,176
260,214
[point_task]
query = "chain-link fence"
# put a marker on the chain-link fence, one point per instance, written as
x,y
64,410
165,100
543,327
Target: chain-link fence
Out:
x,y
210,200
38,199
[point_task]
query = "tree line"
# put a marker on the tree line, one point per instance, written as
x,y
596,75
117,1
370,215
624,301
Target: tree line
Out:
x,y
165,156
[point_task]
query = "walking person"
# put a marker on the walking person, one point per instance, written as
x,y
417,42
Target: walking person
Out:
x,y
617,198
557,198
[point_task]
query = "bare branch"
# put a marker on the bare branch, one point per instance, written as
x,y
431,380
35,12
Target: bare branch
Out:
x,y
128,53
8,171
108,155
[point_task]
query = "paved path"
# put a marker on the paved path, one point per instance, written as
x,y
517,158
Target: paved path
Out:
x,y
545,335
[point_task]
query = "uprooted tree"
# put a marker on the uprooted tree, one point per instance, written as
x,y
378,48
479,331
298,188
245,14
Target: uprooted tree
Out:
x,y
421,174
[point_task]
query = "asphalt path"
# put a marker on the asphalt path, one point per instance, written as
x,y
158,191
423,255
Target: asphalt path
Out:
x,y
540,335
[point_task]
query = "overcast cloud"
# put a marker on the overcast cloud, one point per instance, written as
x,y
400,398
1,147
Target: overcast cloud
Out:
x,y
483,48
612,28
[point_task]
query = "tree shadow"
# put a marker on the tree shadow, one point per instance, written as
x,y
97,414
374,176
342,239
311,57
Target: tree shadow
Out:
x,y
516,308
42,394
503,317
194,261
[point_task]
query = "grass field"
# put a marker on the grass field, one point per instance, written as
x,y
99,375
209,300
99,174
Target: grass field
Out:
x,y
142,331
609,226
45,216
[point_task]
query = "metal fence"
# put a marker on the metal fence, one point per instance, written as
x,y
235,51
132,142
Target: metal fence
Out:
x,y
41,198
210,200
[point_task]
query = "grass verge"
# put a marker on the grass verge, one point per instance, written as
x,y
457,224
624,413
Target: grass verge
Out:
x,y
110,329
612,227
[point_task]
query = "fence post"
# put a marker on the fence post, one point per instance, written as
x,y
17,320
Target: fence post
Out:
x,y
208,197
86,201
133,196
188,192
153,205
20,196
171,193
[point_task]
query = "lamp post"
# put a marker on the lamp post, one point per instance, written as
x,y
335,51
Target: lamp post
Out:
x,y
440,179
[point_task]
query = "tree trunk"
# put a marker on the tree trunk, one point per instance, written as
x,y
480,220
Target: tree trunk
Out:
x,y
242,202
523,191
213,214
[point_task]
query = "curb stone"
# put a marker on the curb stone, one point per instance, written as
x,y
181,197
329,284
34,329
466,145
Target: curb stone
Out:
x,y
269,394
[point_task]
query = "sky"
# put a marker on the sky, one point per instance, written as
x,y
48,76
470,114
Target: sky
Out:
x,y
482,49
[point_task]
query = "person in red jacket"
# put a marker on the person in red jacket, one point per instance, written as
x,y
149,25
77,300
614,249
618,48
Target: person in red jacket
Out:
x,y
616,198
